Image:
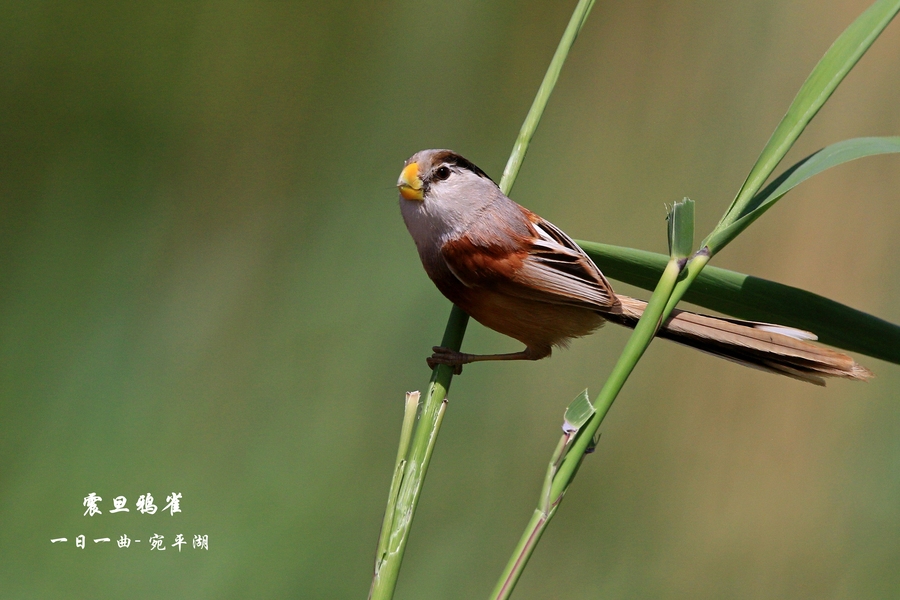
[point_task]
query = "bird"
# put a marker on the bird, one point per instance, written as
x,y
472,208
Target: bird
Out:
x,y
520,275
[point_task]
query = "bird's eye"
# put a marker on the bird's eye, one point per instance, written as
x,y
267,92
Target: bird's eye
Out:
x,y
442,173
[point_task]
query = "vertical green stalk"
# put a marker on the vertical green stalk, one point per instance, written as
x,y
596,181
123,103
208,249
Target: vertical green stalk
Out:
x,y
411,472
395,531
411,409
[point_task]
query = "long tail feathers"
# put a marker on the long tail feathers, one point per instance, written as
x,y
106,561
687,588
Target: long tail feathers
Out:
x,y
772,348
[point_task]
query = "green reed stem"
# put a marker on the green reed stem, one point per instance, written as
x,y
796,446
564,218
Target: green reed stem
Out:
x,y
411,473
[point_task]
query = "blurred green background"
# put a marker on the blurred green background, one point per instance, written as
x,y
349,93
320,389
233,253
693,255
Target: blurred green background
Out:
x,y
206,288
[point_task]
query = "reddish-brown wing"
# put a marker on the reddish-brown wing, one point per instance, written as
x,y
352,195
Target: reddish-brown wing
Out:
x,y
550,267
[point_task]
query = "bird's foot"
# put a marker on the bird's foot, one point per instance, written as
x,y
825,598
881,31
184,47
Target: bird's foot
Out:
x,y
446,356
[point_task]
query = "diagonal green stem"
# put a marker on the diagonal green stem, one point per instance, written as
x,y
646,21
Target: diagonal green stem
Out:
x,y
825,77
634,349
680,272
543,95
395,531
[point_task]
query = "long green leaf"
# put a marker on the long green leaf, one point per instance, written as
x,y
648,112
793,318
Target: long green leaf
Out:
x,y
748,297
818,87
827,157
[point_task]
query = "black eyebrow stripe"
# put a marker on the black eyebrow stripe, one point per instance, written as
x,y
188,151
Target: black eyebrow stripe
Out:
x,y
452,158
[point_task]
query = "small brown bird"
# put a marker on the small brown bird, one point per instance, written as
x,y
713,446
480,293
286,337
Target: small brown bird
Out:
x,y
518,274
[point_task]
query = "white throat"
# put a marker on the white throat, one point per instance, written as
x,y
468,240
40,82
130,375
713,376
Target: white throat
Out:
x,y
450,207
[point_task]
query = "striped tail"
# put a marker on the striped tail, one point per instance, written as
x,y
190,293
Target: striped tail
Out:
x,y
772,348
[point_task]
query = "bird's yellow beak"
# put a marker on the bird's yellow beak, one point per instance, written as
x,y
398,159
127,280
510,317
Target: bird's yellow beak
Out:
x,y
409,183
